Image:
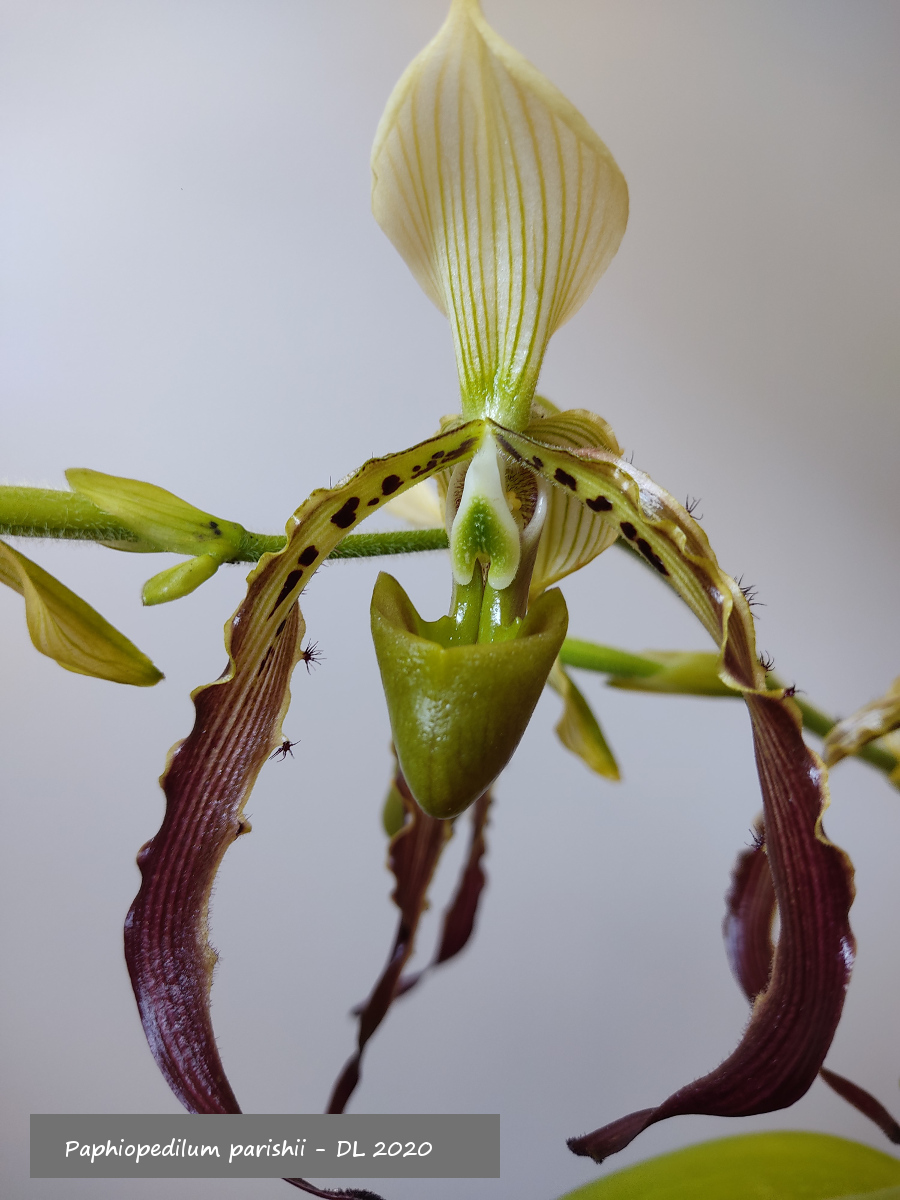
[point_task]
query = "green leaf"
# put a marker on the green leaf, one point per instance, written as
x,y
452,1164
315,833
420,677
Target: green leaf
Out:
x,y
68,630
757,1166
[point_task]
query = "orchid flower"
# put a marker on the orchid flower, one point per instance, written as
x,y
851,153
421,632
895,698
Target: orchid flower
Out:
x,y
507,208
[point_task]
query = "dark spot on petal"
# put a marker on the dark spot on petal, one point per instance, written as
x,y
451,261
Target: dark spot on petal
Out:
x,y
600,504
214,526
538,462
289,584
467,445
416,469
308,557
390,484
280,627
651,556
565,479
374,500
629,530
507,448
266,657
345,516
437,454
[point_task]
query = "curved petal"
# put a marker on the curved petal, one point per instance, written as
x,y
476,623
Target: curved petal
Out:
x,y
573,536
794,1020
503,201
747,929
68,630
211,774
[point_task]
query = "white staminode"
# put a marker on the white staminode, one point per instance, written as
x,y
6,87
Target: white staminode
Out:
x,y
484,529
503,201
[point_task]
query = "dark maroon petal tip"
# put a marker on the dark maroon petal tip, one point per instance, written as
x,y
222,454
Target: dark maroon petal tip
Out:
x,y
794,1018
331,1193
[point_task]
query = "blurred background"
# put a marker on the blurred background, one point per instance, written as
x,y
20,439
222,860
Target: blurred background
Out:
x,y
194,293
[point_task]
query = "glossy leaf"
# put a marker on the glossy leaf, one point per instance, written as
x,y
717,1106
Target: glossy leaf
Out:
x,y
578,729
210,775
503,201
68,630
783,1166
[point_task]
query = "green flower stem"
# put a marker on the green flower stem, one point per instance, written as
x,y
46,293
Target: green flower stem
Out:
x,y
607,660
45,513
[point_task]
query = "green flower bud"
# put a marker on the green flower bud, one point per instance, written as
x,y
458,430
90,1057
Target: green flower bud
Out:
x,y
180,580
458,712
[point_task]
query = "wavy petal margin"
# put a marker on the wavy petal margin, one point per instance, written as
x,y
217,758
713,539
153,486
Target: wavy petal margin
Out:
x,y
211,774
68,630
503,201
794,1019
747,929
414,854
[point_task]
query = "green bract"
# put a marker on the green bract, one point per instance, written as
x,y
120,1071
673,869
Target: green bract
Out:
x,y
67,629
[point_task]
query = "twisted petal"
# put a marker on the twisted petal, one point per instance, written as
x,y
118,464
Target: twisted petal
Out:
x,y
68,630
503,201
794,1019
750,915
210,775
414,854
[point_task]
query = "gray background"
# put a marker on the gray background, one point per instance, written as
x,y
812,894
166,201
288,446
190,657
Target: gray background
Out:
x,y
195,293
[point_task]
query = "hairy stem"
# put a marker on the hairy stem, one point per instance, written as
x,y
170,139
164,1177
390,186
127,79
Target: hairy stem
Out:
x,y
45,513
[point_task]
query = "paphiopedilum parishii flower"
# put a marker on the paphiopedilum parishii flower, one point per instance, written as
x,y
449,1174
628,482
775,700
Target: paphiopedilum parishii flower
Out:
x,y
507,208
